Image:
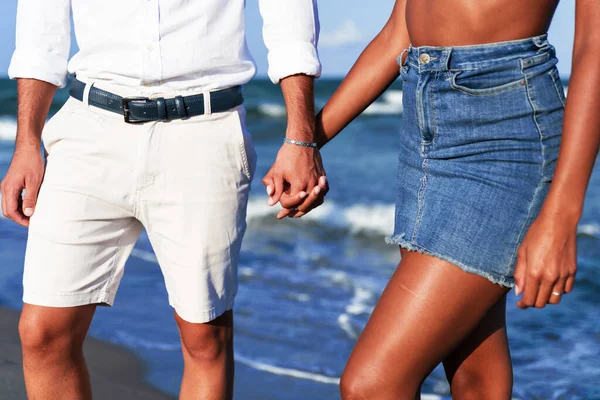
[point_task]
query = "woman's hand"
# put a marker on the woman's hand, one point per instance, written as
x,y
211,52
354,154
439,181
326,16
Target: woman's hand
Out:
x,y
547,261
296,180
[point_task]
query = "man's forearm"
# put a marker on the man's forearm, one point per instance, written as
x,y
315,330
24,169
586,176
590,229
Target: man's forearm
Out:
x,y
34,99
298,93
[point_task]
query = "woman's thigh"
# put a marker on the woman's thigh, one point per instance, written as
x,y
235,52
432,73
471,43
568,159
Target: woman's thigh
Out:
x,y
427,309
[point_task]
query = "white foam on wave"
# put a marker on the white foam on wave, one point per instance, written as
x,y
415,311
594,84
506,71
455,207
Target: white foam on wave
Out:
x,y
8,129
390,103
359,304
272,110
144,255
377,218
294,373
358,218
345,324
589,229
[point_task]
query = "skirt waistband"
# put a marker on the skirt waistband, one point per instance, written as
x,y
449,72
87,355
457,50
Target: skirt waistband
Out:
x,y
438,58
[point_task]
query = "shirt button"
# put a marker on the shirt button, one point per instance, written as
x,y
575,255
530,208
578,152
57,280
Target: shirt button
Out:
x,y
149,47
424,58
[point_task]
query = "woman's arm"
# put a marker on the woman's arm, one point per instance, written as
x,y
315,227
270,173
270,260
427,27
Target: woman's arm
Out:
x,y
373,72
547,257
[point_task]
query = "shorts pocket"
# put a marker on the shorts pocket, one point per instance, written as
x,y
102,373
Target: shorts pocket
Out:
x,y
243,139
54,126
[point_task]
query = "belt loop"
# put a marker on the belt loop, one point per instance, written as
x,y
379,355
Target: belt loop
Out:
x,y
400,61
86,94
446,54
161,106
207,102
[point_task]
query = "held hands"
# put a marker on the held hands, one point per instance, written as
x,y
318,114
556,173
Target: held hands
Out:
x,y
546,262
296,180
25,172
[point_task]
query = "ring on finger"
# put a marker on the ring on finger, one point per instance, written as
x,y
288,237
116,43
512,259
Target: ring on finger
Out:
x,y
556,294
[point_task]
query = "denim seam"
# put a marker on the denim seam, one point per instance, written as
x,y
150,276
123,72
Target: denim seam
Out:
x,y
493,277
421,195
433,110
541,174
558,89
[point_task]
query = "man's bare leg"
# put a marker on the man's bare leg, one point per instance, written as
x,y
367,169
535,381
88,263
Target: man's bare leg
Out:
x,y
52,343
208,358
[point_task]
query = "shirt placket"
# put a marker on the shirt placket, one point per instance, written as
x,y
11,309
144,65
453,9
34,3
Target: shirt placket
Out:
x,y
151,55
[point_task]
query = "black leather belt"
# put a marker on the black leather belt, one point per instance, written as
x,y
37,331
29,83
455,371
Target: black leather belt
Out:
x,y
144,109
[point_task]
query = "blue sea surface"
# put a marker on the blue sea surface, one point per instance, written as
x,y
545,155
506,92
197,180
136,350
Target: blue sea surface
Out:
x,y
307,287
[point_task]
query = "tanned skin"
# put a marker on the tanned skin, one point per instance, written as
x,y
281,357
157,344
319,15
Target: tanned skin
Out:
x,y
52,338
431,311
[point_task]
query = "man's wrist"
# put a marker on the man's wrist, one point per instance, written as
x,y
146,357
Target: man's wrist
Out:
x,y
304,133
27,140
301,143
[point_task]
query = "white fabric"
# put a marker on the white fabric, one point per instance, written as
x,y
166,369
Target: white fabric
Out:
x,y
169,45
186,182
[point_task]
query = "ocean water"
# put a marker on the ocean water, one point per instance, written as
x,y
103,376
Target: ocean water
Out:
x,y
307,286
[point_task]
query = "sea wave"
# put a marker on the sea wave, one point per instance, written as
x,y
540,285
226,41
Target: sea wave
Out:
x,y
390,103
272,110
359,218
8,129
592,230
132,341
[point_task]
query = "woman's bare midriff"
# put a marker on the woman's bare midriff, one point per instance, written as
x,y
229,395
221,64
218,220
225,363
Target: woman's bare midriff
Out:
x,y
470,22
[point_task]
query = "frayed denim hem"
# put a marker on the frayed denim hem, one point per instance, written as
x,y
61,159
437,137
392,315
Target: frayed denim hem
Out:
x,y
411,246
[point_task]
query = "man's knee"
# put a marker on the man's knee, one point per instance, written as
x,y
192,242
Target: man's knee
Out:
x,y
39,337
54,332
206,342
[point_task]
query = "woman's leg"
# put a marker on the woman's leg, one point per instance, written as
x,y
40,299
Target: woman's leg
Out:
x,y
480,367
427,309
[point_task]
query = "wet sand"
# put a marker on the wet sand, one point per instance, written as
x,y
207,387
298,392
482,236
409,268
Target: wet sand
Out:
x,y
116,373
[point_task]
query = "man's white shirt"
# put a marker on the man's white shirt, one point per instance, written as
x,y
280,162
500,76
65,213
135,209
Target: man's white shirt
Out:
x,y
170,45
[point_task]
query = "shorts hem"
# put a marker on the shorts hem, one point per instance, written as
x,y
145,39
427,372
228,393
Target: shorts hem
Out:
x,y
411,246
69,300
201,317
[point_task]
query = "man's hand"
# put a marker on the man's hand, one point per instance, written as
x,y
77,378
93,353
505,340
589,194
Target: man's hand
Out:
x,y
547,262
296,180
25,172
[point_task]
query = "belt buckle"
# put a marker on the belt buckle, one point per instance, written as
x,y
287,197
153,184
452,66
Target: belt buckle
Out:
x,y
127,111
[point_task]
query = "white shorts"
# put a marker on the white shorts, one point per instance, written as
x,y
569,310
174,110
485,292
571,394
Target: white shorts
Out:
x,y
185,181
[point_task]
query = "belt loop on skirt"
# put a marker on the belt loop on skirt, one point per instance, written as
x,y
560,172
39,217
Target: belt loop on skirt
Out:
x,y
405,51
445,58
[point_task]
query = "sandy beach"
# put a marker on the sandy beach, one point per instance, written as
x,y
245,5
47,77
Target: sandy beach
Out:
x,y
115,372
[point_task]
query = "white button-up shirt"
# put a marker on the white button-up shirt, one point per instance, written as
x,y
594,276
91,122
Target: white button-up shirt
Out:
x,y
165,44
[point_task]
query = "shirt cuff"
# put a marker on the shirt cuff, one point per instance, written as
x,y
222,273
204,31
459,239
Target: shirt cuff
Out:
x,y
293,59
36,64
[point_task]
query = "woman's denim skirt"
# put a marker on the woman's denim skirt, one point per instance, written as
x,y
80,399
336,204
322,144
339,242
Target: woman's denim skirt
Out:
x,y
480,139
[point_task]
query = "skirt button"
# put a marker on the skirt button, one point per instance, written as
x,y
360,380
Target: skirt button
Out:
x,y
424,58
